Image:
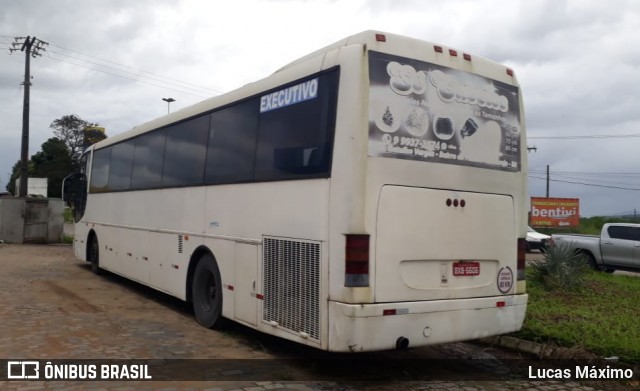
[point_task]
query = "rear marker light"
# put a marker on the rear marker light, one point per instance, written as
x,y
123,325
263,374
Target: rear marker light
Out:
x,y
509,72
521,261
456,203
467,56
356,260
395,311
453,53
381,38
500,304
438,49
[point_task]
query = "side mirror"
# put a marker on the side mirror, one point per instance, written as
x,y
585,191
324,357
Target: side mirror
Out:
x,y
74,193
73,188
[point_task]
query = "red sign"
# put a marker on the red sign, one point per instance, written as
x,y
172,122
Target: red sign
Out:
x,y
466,269
555,212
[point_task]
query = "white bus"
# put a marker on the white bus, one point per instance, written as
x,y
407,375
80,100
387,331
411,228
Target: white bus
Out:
x,y
368,196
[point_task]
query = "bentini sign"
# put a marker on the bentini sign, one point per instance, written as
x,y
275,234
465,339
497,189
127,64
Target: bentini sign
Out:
x,y
555,212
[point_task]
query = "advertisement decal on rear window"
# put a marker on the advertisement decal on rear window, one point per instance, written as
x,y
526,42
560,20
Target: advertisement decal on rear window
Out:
x,y
423,111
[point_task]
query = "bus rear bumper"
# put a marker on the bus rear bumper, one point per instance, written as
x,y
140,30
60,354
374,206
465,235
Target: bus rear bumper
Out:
x,y
367,327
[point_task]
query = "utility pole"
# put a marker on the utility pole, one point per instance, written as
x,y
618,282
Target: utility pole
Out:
x,y
30,51
547,181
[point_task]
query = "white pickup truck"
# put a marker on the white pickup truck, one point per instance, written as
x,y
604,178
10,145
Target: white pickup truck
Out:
x,y
617,247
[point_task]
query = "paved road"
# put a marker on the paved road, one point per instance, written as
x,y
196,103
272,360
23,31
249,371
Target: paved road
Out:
x,y
53,307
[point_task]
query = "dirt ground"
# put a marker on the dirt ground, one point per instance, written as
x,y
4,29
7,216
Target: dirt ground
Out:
x,y
52,307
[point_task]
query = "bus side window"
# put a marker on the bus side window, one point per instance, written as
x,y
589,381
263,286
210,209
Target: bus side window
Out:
x,y
302,160
185,152
148,160
100,170
232,143
296,141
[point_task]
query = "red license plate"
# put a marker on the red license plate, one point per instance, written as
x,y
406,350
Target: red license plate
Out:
x,y
466,268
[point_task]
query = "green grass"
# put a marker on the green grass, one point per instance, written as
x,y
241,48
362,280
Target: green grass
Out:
x,y
601,318
68,215
589,225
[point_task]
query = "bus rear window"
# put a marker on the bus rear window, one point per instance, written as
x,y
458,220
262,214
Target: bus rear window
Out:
x,y
431,113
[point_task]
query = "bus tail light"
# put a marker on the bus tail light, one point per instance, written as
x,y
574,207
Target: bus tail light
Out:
x,y
356,261
522,254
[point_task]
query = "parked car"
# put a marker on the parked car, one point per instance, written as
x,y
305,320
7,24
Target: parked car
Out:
x,y
617,247
536,240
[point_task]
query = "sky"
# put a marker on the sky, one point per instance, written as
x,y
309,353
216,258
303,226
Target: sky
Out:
x,y
113,61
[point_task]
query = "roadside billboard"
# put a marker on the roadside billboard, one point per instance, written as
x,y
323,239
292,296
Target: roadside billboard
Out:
x,y
554,212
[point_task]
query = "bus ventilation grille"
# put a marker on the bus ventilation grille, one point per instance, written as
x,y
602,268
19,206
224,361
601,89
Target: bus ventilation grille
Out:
x,y
292,285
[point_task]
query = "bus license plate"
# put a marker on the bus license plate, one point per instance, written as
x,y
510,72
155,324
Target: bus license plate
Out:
x,y
466,269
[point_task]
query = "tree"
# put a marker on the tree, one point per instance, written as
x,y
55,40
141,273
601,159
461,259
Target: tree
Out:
x,y
53,162
15,174
70,129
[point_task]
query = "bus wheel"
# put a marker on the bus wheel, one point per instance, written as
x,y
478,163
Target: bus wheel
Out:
x,y
94,255
206,293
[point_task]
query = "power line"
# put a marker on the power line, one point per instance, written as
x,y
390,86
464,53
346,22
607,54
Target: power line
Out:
x,y
586,172
125,77
609,178
594,136
129,67
600,181
133,74
586,184
200,89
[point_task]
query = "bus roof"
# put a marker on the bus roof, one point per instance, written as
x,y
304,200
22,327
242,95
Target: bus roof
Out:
x,y
369,39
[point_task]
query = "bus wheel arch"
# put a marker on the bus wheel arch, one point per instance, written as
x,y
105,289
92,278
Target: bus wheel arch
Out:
x,y
93,252
204,288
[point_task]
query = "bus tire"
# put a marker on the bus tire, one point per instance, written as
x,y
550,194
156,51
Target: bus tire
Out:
x,y
206,292
94,255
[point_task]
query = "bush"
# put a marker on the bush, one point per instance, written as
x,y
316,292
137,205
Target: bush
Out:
x,y
560,268
68,215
